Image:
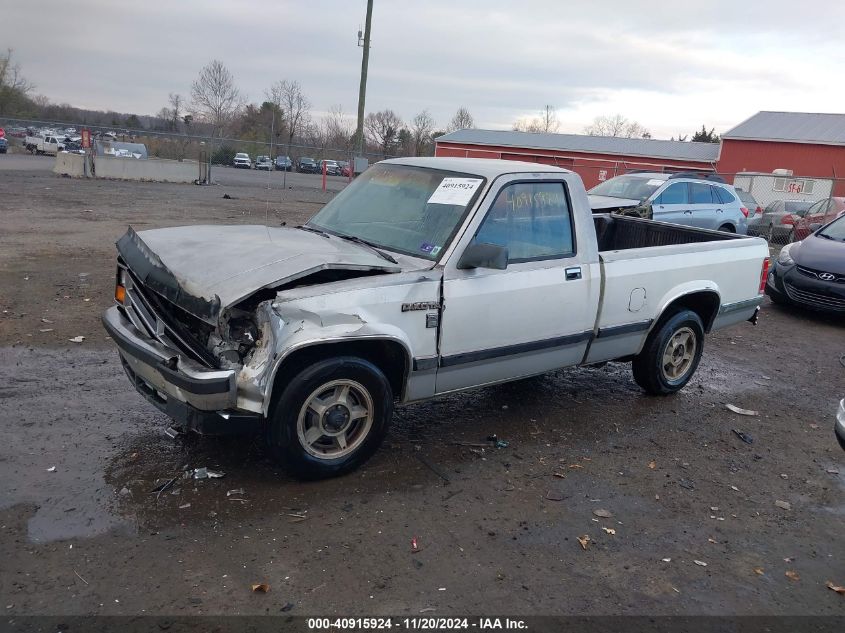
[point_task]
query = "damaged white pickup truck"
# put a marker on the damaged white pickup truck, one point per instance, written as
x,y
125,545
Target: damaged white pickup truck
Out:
x,y
422,277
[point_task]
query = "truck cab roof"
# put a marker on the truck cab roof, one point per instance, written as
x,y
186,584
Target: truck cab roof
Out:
x,y
486,167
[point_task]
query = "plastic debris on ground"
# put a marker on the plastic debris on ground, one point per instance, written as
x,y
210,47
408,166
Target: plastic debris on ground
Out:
x,y
205,473
415,546
77,339
584,541
785,505
261,587
237,491
836,588
52,469
700,563
740,410
610,531
743,436
604,514
792,575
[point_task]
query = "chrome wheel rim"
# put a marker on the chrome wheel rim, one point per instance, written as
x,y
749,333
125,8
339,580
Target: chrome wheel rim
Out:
x,y
335,419
679,354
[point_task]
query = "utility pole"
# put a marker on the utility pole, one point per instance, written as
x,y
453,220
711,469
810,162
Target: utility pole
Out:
x,y
362,90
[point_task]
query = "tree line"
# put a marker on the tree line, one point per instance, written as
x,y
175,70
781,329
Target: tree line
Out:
x,y
216,107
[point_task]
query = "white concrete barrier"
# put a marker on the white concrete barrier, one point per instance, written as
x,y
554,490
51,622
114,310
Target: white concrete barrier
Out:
x,y
70,164
156,170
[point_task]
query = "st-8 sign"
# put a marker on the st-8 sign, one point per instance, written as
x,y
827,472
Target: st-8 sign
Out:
x,y
795,186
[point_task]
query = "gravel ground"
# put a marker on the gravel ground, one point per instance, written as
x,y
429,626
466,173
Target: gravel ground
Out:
x,y
656,483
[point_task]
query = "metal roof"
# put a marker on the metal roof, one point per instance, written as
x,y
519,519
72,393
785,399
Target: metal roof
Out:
x,y
645,147
791,127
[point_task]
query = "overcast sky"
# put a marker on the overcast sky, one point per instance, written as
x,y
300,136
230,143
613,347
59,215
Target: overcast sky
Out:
x,y
672,66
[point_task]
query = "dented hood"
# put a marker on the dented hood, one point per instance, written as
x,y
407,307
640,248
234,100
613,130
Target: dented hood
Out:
x,y
204,269
598,203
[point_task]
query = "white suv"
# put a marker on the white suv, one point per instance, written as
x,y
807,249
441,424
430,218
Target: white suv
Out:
x,y
704,201
242,160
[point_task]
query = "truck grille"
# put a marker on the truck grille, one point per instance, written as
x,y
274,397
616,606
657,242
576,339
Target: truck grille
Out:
x,y
814,298
168,323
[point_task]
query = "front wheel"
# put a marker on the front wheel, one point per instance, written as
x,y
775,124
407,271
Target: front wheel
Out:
x,y
671,354
330,418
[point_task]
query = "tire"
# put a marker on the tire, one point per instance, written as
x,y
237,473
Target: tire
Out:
x,y
673,335
335,444
727,228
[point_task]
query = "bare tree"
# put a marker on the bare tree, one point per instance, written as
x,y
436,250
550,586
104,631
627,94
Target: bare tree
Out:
x,y
383,128
421,128
461,121
177,106
616,125
214,97
337,129
294,106
10,74
545,122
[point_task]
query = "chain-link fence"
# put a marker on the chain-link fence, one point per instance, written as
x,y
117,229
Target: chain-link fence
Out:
x,y
192,146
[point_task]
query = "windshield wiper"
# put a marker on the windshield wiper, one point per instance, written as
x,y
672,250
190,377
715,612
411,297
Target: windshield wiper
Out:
x,y
305,227
827,237
358,240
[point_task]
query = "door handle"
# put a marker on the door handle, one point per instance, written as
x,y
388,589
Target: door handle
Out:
x,y
720,210
573,273
688,211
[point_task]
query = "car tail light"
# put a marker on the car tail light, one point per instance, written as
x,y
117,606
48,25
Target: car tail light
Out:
x,y
744,211
764,273
787,219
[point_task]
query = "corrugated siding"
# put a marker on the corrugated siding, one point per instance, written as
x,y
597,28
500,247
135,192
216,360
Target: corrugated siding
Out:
x,y
819,161
593,168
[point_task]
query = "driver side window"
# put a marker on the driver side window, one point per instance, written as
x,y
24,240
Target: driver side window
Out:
x,y
532,220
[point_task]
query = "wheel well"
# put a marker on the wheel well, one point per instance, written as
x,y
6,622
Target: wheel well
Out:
x,y
389,356
705,304
730,227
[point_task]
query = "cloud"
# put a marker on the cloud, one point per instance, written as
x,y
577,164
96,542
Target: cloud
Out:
x,y
671,69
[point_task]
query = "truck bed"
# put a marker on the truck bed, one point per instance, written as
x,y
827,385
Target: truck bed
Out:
x,y
619,233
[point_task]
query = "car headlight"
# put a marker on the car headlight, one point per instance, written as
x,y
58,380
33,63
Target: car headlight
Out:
x,y
784,258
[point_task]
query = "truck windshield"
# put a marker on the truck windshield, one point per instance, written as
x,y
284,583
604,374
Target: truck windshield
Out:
x,y
401,208
630,187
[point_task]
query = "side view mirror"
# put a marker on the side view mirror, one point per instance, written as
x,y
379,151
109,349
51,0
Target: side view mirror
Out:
x,y
483,255
815,226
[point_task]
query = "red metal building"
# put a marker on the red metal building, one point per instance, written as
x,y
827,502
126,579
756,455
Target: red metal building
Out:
x,y
810,145
594,158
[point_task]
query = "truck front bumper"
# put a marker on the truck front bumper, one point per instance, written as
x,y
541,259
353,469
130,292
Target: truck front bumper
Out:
x,y
197,398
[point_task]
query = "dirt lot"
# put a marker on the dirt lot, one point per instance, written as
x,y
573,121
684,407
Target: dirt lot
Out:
x,y
498,528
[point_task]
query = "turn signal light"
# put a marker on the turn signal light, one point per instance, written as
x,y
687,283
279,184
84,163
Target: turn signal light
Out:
x,y
119,293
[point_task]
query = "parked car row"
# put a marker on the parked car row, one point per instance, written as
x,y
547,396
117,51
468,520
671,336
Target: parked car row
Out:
x,y
304,165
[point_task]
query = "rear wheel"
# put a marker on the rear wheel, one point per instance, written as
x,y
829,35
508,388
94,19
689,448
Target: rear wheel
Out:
x,y
671,354
727,228
330,418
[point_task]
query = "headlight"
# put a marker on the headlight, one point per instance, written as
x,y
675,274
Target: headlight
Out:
x,y
784,259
